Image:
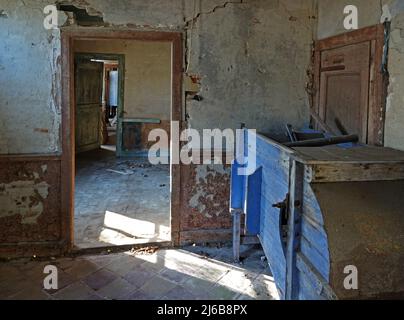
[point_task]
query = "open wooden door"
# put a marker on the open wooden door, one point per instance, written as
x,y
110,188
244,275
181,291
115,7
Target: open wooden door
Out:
x,y
89,82
350,84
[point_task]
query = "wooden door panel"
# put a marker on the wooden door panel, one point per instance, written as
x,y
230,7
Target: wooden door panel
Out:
x,y
344,91
88,130
89,81
344,107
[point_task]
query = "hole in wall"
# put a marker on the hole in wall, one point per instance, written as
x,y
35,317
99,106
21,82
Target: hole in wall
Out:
x,y
81,16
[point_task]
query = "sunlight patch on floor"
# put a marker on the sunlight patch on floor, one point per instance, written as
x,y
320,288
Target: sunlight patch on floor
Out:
x,y
119,228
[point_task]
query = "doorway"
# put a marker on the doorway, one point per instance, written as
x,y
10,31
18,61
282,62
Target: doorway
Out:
x,y
99,87
351,83
117,197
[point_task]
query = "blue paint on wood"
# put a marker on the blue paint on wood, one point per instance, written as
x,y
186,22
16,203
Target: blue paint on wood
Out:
x,y
294,227
311,207
270,185
316,257
254,203
317,237
237,187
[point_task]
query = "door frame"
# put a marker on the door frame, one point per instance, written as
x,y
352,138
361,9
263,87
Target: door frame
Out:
x,y
68,36
121,86
378,80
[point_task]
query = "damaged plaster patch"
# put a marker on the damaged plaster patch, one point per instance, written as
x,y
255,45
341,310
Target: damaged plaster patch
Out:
x,y
83,15
386,15
3,14
205,198
24,198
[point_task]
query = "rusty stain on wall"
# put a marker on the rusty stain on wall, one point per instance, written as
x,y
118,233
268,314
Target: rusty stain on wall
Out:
x,y
205,198
30,201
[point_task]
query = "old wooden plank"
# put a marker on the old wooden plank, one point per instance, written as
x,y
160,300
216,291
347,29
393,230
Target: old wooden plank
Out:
x,y
311,207
295,211
316,258
323,141
360,153
355,172
356,36
316,236
316,281
236,234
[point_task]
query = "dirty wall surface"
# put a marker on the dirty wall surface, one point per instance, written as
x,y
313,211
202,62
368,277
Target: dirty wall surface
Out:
x,y
251,58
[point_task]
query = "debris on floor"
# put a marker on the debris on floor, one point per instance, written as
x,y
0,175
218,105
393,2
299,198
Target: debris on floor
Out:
x,y
145,251
147,274
125,173
116,205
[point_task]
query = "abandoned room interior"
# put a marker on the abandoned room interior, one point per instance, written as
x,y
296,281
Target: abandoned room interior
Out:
x,y
112,176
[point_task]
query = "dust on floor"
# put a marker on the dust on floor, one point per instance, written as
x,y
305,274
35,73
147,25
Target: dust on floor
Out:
x,y
120,201
187,274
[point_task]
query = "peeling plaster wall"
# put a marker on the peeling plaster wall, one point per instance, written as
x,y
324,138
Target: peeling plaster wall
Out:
x,y
29,80
30,201
205,205
251,57
370,11
23,198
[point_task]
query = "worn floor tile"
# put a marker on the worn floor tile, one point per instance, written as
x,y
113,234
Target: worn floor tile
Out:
x,y
64,280
76,291
32,292
99,279
140,295
117,289
194,284
8,271
82,268
222,293
138,277
175,276
104,260
167,274
179,293
157,287
124,264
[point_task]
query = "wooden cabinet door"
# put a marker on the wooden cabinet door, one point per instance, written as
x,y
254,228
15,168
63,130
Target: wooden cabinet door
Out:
x,y
89,81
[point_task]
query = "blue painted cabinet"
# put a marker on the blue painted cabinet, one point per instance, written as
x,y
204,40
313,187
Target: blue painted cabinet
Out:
x,y
318,210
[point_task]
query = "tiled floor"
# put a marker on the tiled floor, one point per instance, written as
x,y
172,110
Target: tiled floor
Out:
x,y
188,274
120,202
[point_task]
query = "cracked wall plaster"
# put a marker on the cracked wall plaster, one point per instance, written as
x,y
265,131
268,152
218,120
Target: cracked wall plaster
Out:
x,y
251,57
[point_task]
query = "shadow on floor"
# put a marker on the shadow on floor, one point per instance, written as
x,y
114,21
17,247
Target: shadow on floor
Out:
x,y
163,275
